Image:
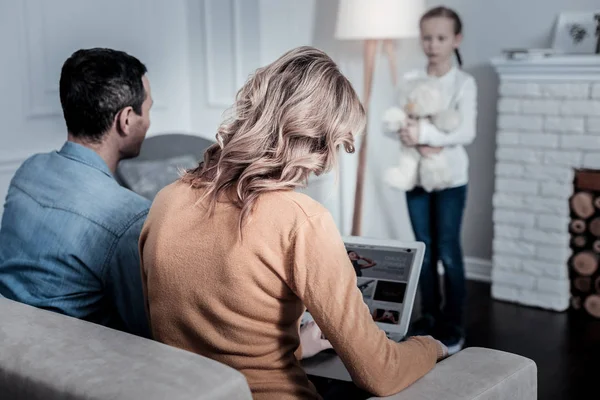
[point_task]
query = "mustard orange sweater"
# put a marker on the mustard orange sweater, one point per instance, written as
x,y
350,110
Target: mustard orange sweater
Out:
x,y
240,302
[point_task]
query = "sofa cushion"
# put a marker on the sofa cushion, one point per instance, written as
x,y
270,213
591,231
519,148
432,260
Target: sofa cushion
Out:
x,y
45,355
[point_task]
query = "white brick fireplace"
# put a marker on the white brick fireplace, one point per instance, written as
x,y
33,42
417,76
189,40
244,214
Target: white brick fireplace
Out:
x,y
548,124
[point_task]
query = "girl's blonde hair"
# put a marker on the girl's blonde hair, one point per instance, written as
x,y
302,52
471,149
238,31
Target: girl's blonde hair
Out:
x,y
289,120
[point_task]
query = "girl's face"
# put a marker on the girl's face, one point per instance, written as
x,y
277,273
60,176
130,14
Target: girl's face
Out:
x,y
438,39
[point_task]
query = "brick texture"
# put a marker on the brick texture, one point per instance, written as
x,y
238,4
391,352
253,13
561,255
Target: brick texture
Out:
x,y
545,130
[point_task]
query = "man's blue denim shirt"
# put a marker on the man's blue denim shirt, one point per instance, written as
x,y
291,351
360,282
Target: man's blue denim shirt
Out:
x,y
69,240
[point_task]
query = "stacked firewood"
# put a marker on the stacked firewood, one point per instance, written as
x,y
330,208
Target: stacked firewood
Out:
x,y
584,271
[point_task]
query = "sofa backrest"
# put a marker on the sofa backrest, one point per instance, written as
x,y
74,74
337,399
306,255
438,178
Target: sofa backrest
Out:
x,y
161,159
45,355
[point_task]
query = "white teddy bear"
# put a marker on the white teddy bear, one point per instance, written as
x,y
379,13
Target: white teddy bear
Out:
x,y
420,98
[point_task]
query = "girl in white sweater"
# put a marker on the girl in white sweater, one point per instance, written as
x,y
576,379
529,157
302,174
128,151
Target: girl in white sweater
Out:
x,y
436,217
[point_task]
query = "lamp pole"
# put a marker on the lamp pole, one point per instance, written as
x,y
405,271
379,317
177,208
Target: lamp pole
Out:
x,y
369,54
374,22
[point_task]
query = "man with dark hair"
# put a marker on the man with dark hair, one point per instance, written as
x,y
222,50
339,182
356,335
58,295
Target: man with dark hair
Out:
x,y
69,233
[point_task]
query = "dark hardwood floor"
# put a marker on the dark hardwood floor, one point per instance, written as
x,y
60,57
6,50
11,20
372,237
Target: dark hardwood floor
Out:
x,y
565,346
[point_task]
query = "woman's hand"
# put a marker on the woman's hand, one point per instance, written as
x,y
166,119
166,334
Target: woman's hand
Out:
x,y
410,134
427,151
442,349
311,340
444,352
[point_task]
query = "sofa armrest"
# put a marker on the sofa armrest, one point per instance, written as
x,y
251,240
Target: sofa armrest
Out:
x,y
45,355
476,373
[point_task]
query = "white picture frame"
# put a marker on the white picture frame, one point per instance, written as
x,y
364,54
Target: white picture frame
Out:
x,y
575,32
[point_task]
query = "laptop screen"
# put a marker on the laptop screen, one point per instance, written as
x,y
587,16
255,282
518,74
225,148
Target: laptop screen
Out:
x,y
382,277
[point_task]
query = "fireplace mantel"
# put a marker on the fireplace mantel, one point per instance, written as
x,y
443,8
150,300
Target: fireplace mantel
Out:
x,y
577,67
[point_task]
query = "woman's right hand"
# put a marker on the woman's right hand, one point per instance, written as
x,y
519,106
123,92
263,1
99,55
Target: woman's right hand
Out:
x,y
442,349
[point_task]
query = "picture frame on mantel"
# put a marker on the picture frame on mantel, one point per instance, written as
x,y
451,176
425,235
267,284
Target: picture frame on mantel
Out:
x,y
577,32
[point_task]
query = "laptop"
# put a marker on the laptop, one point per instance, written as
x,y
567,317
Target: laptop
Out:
x,y
387,275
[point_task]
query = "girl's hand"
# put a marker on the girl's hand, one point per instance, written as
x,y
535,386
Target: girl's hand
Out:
x,y
311,340
410,134
427,151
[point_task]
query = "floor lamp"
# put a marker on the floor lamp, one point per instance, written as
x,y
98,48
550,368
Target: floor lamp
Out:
x,y
375,22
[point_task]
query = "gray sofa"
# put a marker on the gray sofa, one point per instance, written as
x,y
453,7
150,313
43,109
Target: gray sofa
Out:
x,y
44,355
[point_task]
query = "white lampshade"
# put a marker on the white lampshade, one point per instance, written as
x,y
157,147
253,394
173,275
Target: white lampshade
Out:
x,y
378,19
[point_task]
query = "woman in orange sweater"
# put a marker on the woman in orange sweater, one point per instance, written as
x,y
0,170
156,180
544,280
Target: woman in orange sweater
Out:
x,y
232,255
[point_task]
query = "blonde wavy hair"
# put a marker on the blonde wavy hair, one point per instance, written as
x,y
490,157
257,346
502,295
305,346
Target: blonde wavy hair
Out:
x,y
289,120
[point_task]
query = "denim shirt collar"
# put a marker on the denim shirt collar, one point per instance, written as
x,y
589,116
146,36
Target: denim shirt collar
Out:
x,y
85,156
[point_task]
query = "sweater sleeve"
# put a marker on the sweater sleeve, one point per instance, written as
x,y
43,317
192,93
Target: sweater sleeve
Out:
x,y
465,133
324,279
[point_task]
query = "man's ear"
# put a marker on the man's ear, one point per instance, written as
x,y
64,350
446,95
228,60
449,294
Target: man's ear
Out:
x,y
123,121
